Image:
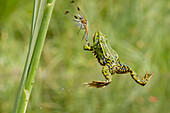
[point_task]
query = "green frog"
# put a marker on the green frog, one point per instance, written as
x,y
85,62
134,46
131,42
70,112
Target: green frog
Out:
x,y
109,60
105,55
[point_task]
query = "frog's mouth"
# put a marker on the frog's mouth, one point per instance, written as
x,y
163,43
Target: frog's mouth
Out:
x,y
96,34
96,38
93,36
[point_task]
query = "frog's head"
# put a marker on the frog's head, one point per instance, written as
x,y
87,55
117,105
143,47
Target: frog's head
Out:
x,y
98,36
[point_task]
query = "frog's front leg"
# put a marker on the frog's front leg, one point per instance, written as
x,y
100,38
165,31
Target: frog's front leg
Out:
x,y
87,46
140,80
103,83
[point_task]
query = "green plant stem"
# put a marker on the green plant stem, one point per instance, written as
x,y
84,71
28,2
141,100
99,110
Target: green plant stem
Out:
x,y
32,64
34,32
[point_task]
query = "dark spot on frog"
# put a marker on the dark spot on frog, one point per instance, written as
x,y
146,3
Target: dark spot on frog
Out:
x,y
104,61
108,59
130,71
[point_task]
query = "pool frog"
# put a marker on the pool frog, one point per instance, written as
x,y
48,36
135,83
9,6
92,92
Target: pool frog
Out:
x,y
105,55
109,60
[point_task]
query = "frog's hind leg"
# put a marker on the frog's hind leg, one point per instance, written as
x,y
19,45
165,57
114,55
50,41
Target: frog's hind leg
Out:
x,y
103,83
98,84
140,80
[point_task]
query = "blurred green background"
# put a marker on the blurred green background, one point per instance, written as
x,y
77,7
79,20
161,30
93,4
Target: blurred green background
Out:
x,y
139,30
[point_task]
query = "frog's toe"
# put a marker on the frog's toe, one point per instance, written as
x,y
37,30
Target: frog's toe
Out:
x,y
145,79
87,46
148,76
97,84
90,84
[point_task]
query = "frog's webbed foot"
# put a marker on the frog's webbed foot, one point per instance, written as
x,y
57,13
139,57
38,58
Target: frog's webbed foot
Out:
x,y
140,80
144,79
98,84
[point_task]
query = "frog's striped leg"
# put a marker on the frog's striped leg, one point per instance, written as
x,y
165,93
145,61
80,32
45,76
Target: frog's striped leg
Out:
x,y
140,80
100,84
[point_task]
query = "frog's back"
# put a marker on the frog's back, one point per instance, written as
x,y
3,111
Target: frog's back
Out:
x,y
108,52
98,53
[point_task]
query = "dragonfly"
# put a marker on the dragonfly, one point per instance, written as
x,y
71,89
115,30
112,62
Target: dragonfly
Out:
x,y
79,20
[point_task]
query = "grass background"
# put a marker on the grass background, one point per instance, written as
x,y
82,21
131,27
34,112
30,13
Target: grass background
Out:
x,y
137,30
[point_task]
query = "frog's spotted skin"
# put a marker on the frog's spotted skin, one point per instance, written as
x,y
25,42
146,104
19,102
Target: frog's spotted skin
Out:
x,y
110,62
106,56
